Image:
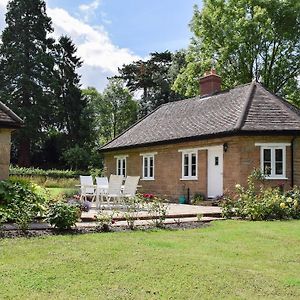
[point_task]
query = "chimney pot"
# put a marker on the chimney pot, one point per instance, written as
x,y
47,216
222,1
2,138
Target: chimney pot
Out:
x,y
210,83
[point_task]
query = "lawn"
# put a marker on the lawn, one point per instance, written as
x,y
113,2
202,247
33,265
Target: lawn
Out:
x,y
227,260
55,192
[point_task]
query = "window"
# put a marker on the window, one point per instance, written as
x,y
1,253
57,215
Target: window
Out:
x,y
148,166
189,164
121,165
273,160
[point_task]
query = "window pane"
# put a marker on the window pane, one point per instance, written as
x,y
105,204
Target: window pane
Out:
x,y
279,168
267,155
216,161
186,165
193,165
151,167
151,172
151,161
278,155
267,168
186,159
119,167
124,167
145,167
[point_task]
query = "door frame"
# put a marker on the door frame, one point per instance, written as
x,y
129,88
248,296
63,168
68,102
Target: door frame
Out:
x,y
212,148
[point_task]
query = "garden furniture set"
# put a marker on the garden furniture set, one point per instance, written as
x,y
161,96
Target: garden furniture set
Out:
x,y
113,191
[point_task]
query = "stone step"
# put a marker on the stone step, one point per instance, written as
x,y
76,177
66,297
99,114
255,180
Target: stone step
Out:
x,y
148,217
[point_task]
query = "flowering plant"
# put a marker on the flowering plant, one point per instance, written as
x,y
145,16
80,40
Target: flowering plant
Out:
x,y
148,196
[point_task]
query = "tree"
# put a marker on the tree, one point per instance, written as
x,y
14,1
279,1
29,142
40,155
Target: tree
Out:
x,y
154,77
26,70
72,105
116,111
245,40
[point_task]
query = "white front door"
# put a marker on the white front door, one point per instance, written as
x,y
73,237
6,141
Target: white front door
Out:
x,y
215,171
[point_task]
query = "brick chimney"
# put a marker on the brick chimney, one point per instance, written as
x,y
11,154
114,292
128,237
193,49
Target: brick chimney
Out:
x,y
210,83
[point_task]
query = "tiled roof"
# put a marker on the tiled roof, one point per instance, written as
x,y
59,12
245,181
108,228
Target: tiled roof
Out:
x,y
246,108
8,118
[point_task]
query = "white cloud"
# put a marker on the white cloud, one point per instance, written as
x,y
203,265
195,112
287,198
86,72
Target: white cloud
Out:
x,y
3,3
91,6
94,44
88,10
101,58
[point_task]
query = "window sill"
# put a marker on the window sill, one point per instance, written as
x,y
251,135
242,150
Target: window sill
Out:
x,y
275,178
189,178
147,179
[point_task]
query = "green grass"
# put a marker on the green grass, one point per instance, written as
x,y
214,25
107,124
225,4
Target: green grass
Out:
x,y
55,192
228,260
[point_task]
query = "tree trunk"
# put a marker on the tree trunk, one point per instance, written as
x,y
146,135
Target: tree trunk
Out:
x,y
24,152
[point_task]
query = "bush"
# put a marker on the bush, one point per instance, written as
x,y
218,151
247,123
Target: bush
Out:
x,y
63,215
260,203
158,211
198,198
53,173
104,220
133,206
21,202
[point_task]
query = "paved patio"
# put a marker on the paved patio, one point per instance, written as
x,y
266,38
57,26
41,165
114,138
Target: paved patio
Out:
x,y
173,211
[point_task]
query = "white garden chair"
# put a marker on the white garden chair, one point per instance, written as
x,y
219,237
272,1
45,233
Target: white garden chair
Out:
x,y
87,188
102,186
130,186
114,188
102,182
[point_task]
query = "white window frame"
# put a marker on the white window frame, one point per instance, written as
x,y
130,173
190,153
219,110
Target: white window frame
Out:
x,y
148,157
123,160
272,147
189,152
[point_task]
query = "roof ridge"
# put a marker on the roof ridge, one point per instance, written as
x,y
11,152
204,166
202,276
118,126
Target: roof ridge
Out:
x,y
10,113
199,97
241,120
284,102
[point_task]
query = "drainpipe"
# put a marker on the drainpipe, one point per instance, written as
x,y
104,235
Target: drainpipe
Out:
x,y
292,161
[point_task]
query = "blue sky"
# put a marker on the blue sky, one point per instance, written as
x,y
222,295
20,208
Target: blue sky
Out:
x,y
109,33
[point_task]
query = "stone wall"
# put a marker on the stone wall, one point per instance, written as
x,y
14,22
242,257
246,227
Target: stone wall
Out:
x,y
240,159
5,140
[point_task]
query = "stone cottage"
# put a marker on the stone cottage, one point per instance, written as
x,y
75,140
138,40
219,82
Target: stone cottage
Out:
x,y
9,122
211,142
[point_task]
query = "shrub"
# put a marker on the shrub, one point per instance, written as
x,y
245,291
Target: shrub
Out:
x,y
3,217
133,206
22,202
260,203
63,215
47,182
52,173
158,211
104,220
77,157
198,198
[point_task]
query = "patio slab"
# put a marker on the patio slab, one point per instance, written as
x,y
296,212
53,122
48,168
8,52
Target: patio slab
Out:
x,y
173,211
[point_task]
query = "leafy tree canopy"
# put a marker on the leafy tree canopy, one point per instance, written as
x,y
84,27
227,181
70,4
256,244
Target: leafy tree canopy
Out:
x,y
245,40
115,110
154,78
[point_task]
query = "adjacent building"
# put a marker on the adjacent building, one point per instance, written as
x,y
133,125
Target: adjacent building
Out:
x,y
9,122
211,142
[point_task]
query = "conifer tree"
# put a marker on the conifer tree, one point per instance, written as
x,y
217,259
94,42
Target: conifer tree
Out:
x,y
72,105
26,64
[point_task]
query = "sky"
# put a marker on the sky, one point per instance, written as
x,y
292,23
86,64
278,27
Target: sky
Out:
x,y
110,33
